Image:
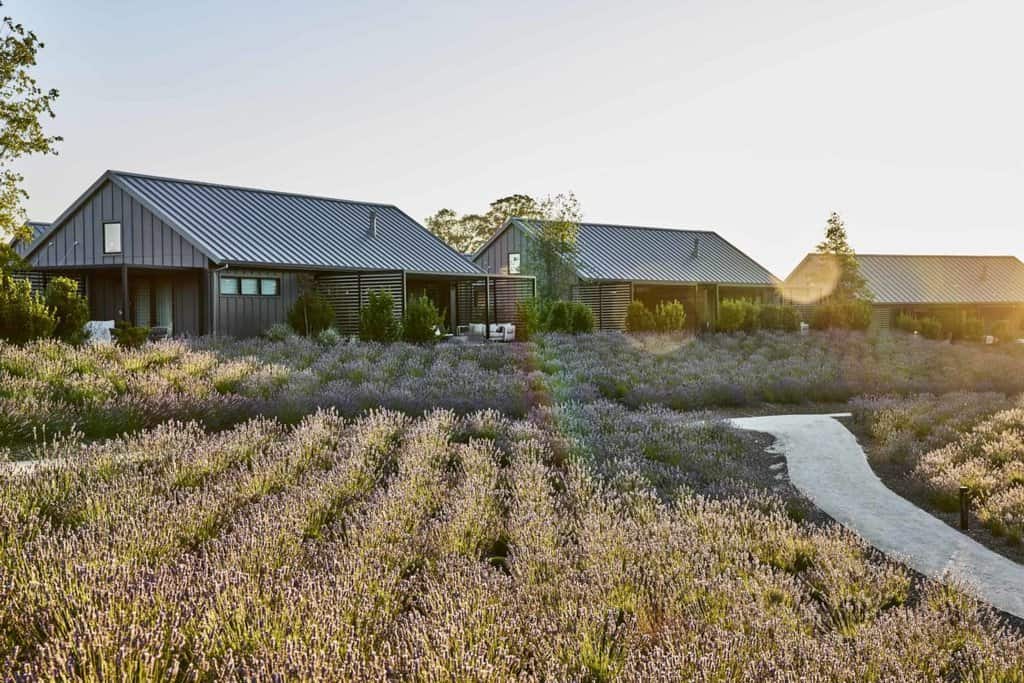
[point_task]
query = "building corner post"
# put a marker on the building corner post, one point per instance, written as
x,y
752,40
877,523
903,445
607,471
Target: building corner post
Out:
x,y
125,302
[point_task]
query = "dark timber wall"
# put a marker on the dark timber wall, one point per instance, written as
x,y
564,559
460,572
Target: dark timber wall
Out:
x,y
145,239
494,259
243,315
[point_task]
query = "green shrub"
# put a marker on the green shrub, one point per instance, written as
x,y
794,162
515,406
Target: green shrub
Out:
x,y
569,317
24,315
128,335
377,319
530,314
731,313
70,309
311,314
858,314
639,318
421,321
843,315
930,328
789,319
559,317
669,316
582,318
771,317
751,315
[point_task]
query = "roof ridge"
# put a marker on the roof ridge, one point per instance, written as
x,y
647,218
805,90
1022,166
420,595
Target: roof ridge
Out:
x,y
631,227
972,256
244,188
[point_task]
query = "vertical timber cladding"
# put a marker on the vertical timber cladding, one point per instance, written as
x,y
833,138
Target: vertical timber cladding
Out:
x,y
505,295
349,292
608,300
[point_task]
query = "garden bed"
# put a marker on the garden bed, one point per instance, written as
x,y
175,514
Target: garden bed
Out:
x,y
442,547
925,447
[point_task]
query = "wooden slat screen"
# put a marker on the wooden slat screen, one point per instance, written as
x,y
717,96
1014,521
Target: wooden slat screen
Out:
x,y
505,295
349,292
608,300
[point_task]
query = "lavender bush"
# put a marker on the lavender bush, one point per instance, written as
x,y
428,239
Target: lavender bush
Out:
x,y
903,428
48,388
747,369
443,547
990,460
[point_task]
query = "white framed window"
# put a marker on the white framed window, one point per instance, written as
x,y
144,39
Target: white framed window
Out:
x,y
229,285
111,238
514,263
269,286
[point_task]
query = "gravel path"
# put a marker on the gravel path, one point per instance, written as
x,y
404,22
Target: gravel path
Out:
x,y
829,467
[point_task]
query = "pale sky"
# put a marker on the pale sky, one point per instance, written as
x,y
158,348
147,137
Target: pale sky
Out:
x,y
755,119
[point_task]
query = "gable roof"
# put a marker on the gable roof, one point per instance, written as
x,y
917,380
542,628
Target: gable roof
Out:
x,y
246,226
644,254
933,279
23,247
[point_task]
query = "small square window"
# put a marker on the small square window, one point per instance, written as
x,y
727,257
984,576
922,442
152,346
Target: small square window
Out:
x,y
111,238
513,263
268,286
229,285
250,285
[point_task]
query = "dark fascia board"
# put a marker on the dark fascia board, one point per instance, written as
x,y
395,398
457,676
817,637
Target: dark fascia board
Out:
x,y
679,283
112,177
334,269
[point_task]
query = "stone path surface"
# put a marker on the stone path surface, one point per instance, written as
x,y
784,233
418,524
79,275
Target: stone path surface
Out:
x,y
829,467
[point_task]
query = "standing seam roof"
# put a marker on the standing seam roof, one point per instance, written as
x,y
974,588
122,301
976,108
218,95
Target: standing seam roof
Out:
x,y
243,225
933,279
623,252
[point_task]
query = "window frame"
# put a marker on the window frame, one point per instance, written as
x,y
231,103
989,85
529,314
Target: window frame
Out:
x,y
238,279
277,286
220,286
241,286
519,263
120,237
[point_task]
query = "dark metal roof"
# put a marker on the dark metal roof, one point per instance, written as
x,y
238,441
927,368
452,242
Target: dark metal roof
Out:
x,y
642,254
927,279
246,226
23,247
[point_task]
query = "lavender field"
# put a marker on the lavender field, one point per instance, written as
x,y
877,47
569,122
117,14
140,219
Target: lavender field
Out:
x,y
252,517
439,547
770,367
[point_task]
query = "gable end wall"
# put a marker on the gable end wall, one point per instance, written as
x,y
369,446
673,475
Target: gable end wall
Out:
x,y
145,239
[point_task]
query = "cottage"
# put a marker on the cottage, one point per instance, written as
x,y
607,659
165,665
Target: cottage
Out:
x,y
616,264
197,258
990,288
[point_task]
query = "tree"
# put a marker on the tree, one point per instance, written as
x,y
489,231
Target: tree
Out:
x,y
466,233
70,309
552,256
849,283
22,104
